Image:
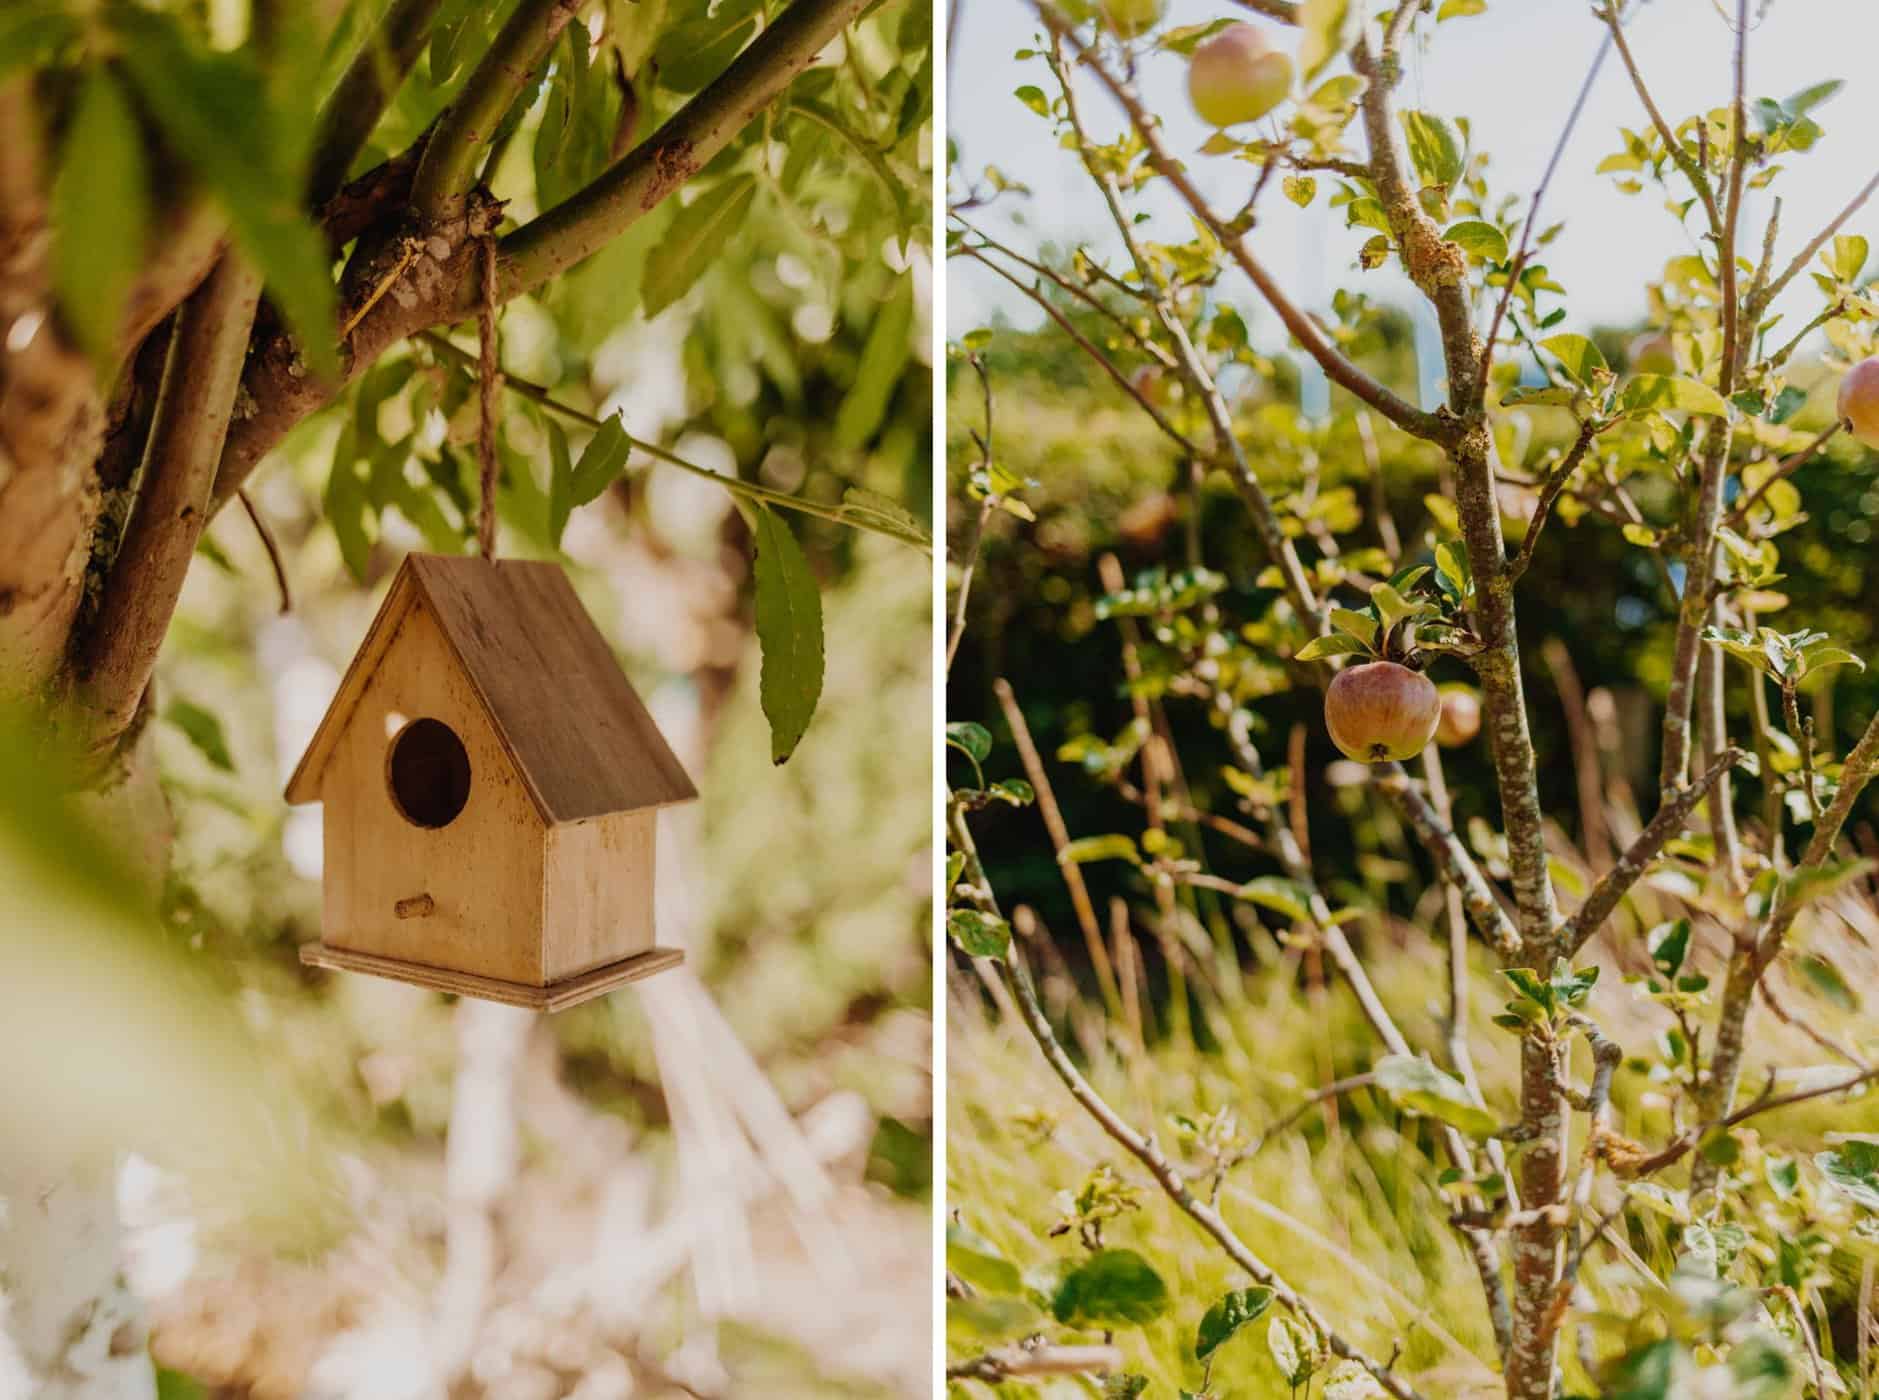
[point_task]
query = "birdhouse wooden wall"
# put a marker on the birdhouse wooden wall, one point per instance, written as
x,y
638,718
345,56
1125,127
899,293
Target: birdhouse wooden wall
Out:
x,y
405,877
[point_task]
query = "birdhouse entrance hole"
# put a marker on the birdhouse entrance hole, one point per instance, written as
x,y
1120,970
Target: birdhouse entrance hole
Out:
x,y
429,773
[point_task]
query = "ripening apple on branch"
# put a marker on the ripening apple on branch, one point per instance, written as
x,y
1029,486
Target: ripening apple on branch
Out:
x,y
1132,18
1237,76
1858,404
1653,353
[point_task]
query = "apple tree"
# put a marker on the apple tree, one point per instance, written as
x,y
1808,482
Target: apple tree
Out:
x,y
1705,1254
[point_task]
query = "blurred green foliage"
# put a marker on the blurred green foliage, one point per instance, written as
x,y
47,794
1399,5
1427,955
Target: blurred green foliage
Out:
x,y
1101,478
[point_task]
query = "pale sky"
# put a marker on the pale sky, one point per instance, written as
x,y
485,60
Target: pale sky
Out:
x,y
1515,71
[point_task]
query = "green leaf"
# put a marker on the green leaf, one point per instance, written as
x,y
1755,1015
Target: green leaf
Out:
x,y
1334,644
560,482
1579,357
1650,1373
1435,147
1300,189
1362,626
203,729
1394,608
33,33
1674,393
214,109
1015,791
1668,944
1847,258
1330,28
859,503
1418,1086
1549,394
1854,1169
1479,239
974,739
980,1263
691,54
1185,38
1782,1174
1815,882
1227,1316
1452,570
100,214
695,240
600,464
1294,1351
1460,9
1092,848
979,935
1115,1286
1282,896
883,359
346,506
789,631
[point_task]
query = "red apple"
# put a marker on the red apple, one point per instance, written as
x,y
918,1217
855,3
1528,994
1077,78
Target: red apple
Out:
x,y
1461,717
1859,401
1653,353
1380,711
1237,76
1151,382
1128,18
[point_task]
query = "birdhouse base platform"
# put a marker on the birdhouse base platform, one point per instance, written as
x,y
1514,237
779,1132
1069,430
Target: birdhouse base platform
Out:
x,y
556,996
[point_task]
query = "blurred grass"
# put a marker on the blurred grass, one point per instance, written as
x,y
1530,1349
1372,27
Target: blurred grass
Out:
x,y
1344,1205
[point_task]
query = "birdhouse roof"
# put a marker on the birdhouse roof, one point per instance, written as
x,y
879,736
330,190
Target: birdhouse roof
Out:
x,y
579,736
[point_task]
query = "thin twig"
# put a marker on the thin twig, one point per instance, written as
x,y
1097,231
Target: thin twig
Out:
x,y
995,1367
1697,177
1615,883
1806,256
1518,265
748,490
489,388
1555,482
1788,467
1084,343
273,548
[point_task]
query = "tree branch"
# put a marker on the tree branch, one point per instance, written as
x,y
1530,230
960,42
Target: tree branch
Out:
x,y
277,380
1188,363
1749,963
1807,254
1083,343
200,380
745,490
1452,860
1693,172
994,1367
1549,493
373,78
1337,368
1531,222
1612,887
450,160
610,205
1788,468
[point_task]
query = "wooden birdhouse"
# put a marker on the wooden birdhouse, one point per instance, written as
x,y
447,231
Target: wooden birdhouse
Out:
x,y
492,785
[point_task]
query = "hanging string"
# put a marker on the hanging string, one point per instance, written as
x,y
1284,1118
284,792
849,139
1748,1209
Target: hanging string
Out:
x,y
489,382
